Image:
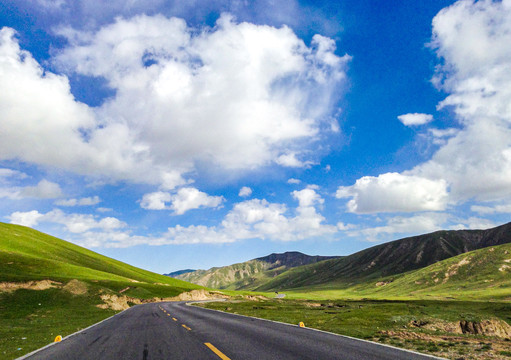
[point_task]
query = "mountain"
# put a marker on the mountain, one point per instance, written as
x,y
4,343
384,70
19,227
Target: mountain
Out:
x,y
483,274
179,272
250,274
388,259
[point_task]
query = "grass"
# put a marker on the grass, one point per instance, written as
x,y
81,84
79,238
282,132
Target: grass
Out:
x,y
32,318
389,322
478,275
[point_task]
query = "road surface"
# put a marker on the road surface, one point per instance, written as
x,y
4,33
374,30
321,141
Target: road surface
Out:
x,y
173,330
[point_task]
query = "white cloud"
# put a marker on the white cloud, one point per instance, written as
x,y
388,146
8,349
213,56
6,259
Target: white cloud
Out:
x,y
250,219
7,174
416,224
191,198
43,190
308,196
475,223
415,119
393,192
155,200
503,208
441,136
473,40
74,223
87,201
474,161
344,227
245,191
185,199
276,92
290,160
294,181
29,218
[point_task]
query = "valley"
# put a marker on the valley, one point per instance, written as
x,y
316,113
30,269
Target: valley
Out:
x,y
447,293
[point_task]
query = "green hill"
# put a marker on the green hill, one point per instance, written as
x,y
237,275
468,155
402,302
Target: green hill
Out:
x,y
250,274
388,259
27,254
482,274
51,287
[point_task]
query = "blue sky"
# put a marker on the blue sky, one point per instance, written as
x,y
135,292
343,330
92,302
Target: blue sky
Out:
x,y
171,135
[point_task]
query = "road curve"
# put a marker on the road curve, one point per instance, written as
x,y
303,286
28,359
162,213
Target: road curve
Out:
x,y
173,330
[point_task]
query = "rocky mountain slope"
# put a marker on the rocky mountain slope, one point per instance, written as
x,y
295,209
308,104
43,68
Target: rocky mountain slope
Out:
x,y
391,258
250,274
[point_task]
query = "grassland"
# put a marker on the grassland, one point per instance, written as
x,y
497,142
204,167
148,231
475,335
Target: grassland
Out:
x,y
422,325
64,285
421,310
483,274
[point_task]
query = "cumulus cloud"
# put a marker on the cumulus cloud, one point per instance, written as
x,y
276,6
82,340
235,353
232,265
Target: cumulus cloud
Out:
x,y
155,200
184,199
486,210
245,191
190,198
86,201
74,223
28,218
473,162
416,224
415,119
43,190
276,94
274,89
290,160
260,219
472,39
393,192
250,219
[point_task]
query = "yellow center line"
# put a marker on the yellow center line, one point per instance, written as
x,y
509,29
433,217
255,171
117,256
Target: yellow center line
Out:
x,y
168,314
186,327
174,319
220,354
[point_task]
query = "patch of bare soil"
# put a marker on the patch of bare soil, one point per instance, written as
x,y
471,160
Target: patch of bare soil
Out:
x,y
453,269
455,347
197,295
313,305
30,285
76,287
255,298
122,302
492,327
115,302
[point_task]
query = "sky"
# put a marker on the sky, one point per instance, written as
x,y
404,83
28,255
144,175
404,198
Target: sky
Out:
x,y
173,135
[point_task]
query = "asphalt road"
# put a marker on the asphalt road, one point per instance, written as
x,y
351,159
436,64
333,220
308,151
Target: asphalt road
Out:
x,y
173,330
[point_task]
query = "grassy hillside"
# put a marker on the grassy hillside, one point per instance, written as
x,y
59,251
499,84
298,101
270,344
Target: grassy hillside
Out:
x,y
389,259
51,287
27,254
250,274
483,274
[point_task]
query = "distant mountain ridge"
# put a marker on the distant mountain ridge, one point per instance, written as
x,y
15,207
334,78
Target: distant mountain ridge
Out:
x,y
251,273
179,272
391,258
